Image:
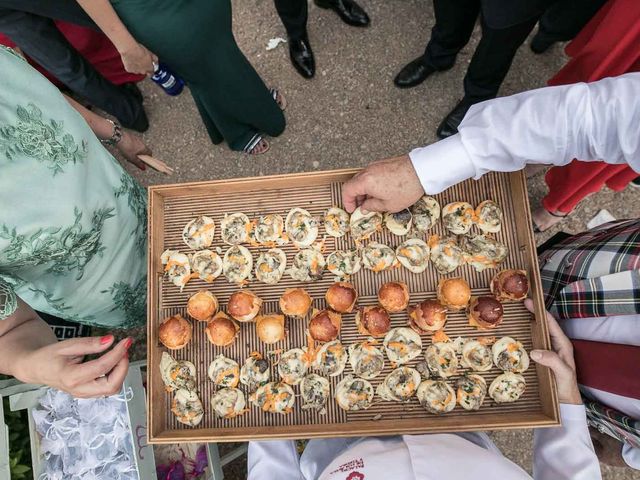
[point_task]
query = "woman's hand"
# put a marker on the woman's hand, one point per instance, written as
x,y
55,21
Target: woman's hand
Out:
x,y
137,59
560,361
131,146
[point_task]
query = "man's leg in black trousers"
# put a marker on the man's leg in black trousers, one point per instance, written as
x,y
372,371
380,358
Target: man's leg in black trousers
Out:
x,y
293,14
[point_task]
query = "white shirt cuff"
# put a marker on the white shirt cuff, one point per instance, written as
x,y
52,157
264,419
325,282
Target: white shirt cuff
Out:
x,y
442,164
569,412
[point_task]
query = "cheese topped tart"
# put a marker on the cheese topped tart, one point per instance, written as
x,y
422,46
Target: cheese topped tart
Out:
x,y
199,233
177,374
177,267
271,265
331,358
413,254
471,390
483,252
426,213
224,372
476,355
228,403
235,228
336,222
402,345
344,263
308,265
488,216
237,264
255,372
442,359
363,225
446,254
274,397
301,227
399,223
293,366
354,394
269,230
507,387
509,355
366,360
378,257
457,217
400,385
314,390
187,407
207,265
436,396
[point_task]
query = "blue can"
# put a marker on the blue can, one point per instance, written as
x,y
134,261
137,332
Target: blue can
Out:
x,y
168,81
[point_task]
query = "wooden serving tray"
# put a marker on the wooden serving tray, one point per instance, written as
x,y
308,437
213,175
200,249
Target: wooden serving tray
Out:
x,y
172,206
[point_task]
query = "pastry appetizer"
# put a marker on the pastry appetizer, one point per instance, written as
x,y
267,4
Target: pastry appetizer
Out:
x,y
446,255
393,296
235,228
399,223
331,358
295,302
426,213
454,293
485,312
507,387
510,285
378,257
314,390
341,297
308,265
221,330
373,321
237,264
187,407
476,354
427,316
483,252
244,305
175,332
344,263
293,366
457,217
366,360
270,328
301,227
270,266
274,397
436,396
228,403
423,369
362,225
325,325
207,265
471,390
336,222
269,230
177,267
442,359
354,394
199,232
413,254
400,385
202,305
509,355
177,374
224,372
255,372
402,345
488,217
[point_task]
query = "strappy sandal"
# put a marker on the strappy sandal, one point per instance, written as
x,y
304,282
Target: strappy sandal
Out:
x,y
537,229
279,98
257,146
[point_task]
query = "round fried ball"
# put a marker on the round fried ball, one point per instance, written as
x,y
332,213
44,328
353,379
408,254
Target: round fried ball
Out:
x,y
373,321
244,305
394,296
175,332
454,293
427,316
342,297
486,312
270,328
510,285
202,305
221,330
325,325
295,302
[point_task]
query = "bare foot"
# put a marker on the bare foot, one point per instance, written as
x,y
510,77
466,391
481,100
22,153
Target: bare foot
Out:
x,y
544,220
261,147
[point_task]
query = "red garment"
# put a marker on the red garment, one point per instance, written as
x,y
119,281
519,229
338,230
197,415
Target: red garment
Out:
x,y
609,45
95,47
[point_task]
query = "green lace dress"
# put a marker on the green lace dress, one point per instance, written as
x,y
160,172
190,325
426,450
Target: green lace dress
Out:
x,y
72,221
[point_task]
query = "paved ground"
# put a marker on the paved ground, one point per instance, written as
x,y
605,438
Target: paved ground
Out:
x,y
349,115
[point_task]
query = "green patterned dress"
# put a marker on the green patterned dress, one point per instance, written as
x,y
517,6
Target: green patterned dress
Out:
x,y
72,221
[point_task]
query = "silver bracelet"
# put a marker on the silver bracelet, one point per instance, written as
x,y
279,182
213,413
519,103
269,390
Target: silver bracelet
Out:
x,y
116,136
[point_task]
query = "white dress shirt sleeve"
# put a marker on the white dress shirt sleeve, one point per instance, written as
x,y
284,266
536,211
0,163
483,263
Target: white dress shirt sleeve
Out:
x,y
273,459
553,125
566,452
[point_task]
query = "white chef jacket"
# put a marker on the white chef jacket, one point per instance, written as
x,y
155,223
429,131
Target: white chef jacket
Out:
x,y
562,453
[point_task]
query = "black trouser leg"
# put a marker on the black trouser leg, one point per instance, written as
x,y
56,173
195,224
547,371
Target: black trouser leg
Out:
x,y
293,14
565,18
455,20
492,59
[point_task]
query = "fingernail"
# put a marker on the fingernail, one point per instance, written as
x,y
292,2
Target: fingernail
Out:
x,y
106,339
128,343
536,354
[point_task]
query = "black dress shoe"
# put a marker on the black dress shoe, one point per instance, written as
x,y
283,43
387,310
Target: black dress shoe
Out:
x,y
302,56
449,126
540,43
349,11
413,73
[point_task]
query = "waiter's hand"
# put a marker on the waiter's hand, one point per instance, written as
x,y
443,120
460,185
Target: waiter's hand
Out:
x,y
384,186
560,361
